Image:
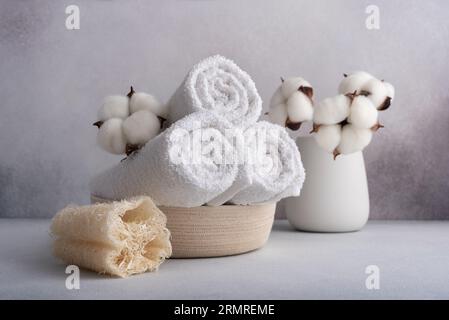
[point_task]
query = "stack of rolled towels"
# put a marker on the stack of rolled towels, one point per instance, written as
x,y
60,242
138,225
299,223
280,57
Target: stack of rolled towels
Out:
x,y
214,151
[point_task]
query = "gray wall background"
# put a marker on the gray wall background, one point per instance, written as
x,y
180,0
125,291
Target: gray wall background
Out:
x,y
53,80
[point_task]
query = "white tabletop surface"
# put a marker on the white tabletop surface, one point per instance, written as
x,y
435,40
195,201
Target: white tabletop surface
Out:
x,y
413,260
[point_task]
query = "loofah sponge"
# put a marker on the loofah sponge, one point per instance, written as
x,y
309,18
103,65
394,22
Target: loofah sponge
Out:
x,y
119,238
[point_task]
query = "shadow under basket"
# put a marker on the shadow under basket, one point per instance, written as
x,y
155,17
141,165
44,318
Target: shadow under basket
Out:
x,y
216,231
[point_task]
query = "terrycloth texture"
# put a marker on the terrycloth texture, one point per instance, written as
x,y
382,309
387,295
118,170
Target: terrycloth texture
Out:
x,y
277,167
164,170
217,84
243,180
118,238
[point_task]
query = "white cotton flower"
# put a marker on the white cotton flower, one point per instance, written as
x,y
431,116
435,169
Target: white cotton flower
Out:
x,y
376,91
113,107
332,110
110,136
278,114
141,127
328,137
354,139
390,90
291,103
299,107
144,101
291,85
363,113
353,82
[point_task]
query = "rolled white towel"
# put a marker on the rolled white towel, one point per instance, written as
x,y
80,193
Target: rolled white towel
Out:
x,y
181,167
278,171
217,84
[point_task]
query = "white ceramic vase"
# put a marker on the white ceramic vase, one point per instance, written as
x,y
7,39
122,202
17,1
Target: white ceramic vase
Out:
x,y
334,197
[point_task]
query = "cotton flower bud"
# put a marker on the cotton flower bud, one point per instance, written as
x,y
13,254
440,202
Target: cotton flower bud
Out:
x,y
377,92
299,107
144,101
141,127
110,136
113,107
332,110
390,90
291,103
353,140
328,137
363,113
291,85
353,82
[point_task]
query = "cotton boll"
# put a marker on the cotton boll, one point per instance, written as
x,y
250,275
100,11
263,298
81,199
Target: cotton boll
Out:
x,y
293,84
114,107
141,127
278,114
390,90
144,101
110,136
353,82
277,98
376,92
299,107
328,137
353,139
363,113
332,110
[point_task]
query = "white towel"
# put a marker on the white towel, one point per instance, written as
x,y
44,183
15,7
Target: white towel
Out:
x,y
243,180
166,170
217,84
278,171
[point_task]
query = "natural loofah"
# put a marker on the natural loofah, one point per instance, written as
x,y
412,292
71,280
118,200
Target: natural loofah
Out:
x,y
119,238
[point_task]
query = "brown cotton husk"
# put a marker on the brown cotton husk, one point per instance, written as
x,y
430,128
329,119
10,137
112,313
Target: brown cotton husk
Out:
x,y
315,128
119,238
377,126
98,124
308,91
131,92
131,148
336,153
292,125
385,105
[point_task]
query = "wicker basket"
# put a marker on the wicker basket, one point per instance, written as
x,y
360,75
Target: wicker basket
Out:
x,y
216,231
